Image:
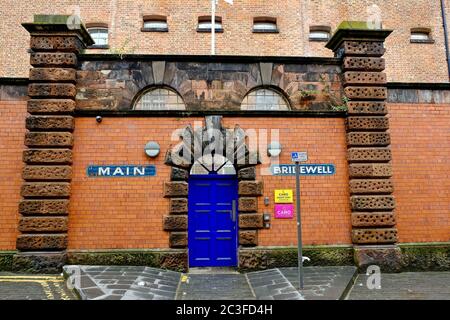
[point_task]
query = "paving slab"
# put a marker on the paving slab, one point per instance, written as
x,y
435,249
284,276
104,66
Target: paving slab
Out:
x,y
403,286
143,283
122,282
323,283
272,285
220,286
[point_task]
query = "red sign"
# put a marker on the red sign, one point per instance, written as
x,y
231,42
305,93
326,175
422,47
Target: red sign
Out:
x,y
284,211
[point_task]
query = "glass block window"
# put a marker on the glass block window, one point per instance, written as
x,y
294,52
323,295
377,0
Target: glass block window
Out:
x,y
421,36
204,24
264,99
99,35
160,99
319,35
265,27
265,24
155,23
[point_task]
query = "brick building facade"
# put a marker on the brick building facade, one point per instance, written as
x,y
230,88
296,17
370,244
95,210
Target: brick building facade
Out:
x,y
406,61
387,202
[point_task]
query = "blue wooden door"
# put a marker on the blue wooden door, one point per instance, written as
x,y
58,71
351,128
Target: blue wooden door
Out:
x,y
212,220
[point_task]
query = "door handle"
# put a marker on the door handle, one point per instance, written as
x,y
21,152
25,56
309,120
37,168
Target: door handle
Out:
x,y
233,210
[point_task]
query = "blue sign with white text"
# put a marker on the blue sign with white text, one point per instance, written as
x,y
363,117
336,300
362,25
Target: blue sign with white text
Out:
x,y
305,169
121,171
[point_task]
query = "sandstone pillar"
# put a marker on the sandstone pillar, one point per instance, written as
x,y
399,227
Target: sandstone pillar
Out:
x,y
55,43
369,157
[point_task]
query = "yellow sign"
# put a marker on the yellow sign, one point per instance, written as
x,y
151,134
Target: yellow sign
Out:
x,y
284,196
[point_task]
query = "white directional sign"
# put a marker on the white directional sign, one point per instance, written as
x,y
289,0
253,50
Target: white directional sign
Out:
x,y
299,156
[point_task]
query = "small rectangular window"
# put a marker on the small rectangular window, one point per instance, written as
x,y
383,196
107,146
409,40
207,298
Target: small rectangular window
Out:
x,y
204,24
319,35
155,24
421,35
265,25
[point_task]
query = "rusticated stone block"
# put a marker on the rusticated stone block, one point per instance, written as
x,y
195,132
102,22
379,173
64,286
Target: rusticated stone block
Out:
x,y
45,189
251,221
355,139
251,259
175,222
47,173
176,260
368,236
43,224
178,239
359,78
52,90
175,189
387,257
358,186
44,207
247,173
366,108
248,204
363,48
57,43
51,106
250,188
53,74
53,59
374,170
368,154
60,123
364,93
363,64
365,203
248,238
367,123
39,262
54,156
49,139
35,242
373,219
178,205
177,174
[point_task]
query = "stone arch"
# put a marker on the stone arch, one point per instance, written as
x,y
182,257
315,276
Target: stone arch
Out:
x,y
274,89
152,88
232,146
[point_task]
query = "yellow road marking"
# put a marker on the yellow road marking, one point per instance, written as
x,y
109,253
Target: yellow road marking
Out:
x,y
24,280
47,290
64,296
44,282
32,277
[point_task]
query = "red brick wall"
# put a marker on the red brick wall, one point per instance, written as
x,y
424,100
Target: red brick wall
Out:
x,y
12,132
128,212
405,61
420,136
324,200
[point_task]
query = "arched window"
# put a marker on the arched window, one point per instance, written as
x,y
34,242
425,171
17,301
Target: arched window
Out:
x,y
160,99
155,23
99,33
213,164
264,99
